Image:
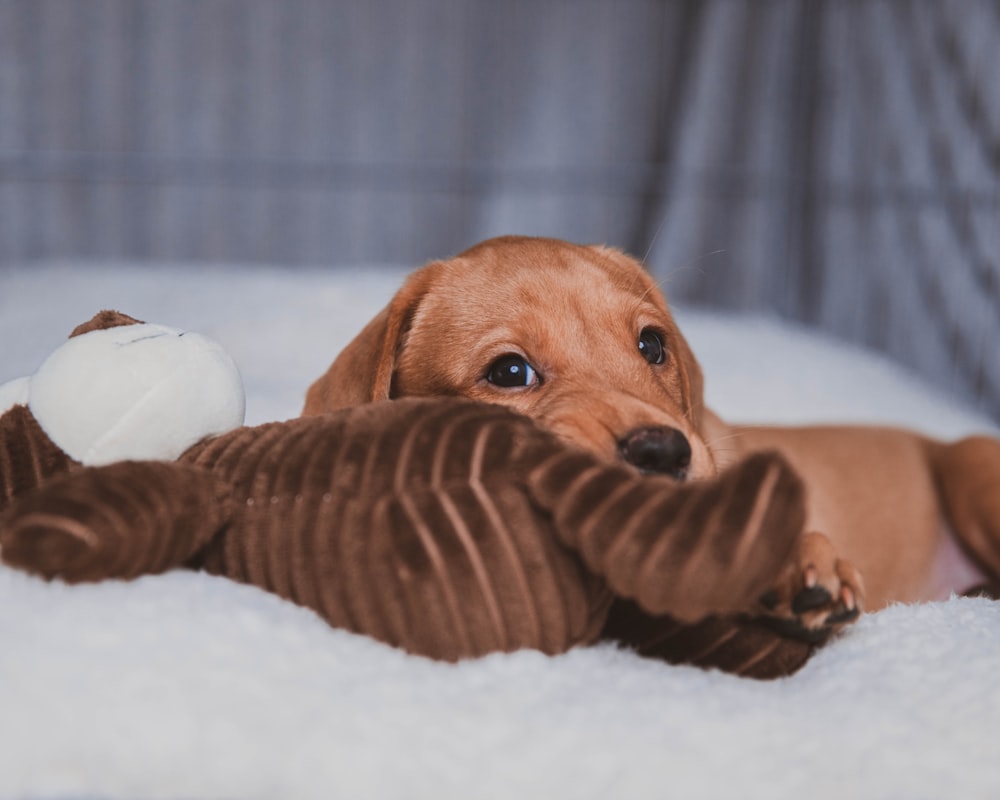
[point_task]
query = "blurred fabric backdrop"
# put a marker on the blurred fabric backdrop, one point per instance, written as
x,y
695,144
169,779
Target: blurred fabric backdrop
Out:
x,y
832,161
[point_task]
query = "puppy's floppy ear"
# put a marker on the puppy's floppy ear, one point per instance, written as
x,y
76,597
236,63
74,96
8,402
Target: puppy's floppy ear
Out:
x,y
362,373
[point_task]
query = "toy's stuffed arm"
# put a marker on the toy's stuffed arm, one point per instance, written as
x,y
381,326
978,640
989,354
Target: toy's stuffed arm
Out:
x,y
117,521
688,550
28,457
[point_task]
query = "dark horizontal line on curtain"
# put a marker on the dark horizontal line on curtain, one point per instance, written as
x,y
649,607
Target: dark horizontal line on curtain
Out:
x,y
450,177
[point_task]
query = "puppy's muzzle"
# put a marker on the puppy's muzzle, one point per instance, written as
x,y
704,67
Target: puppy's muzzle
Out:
x,y
665,451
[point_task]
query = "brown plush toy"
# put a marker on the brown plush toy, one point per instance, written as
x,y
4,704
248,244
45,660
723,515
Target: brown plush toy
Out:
x,y
445,527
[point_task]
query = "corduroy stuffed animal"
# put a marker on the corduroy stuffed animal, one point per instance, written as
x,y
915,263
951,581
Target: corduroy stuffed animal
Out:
x,y
445,527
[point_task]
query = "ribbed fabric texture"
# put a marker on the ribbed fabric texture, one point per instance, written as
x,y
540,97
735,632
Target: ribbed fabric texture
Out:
x,y
409,522
737,644
685,561
120,521
28,457
448,528
687,550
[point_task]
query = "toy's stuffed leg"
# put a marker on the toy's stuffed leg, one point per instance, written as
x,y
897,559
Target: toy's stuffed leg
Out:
x,y
737,644
118,521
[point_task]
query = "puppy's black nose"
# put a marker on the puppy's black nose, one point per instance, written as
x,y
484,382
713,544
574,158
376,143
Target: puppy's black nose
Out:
x,y
662,450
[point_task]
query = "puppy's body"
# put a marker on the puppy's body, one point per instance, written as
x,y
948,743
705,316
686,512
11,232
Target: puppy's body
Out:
x,y
873,491
571,336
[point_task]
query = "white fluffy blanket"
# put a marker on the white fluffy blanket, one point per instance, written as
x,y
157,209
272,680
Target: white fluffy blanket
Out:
x,y
183,685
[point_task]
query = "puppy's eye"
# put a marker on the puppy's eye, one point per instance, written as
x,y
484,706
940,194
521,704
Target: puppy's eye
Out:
x,y
511,371
651,346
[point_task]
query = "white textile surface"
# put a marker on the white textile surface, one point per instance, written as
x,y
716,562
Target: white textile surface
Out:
x,y
184,685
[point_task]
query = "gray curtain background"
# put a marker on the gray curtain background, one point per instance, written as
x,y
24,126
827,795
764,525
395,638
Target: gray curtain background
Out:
x,y
834,161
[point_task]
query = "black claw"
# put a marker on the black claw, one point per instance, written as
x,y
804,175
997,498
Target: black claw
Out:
x,y
770,599
846,615
810,599
793,629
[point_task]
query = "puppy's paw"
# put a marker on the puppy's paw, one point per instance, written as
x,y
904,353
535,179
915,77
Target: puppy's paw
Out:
x,y
816,594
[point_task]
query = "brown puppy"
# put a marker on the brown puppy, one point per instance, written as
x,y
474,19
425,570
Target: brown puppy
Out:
x,y
581,339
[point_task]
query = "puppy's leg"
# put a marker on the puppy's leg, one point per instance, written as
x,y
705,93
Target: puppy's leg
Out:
x,y
968,479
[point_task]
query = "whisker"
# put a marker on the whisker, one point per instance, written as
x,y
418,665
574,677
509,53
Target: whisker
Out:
x,y
654,285
693,264
656,235
712,444
660,284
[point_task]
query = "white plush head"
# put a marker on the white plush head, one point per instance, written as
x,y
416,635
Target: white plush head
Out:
x,y
135,392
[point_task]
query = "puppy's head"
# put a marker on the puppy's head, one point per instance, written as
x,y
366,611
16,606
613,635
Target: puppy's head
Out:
x,y
577,337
